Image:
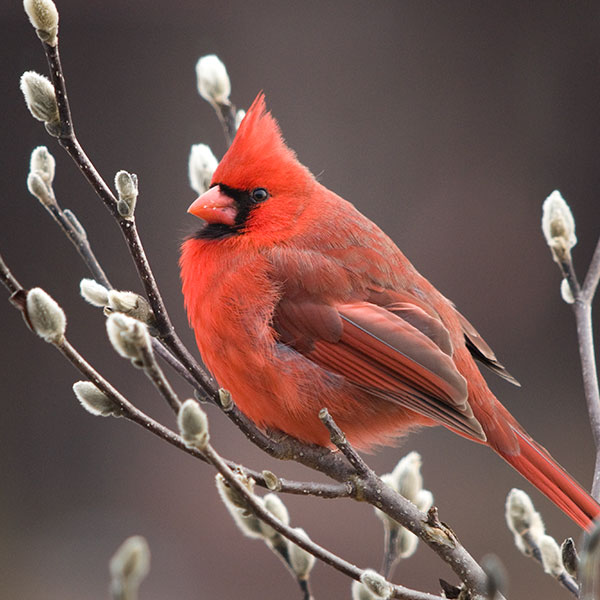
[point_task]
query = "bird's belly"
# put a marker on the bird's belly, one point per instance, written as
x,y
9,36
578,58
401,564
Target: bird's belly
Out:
x,y
279,389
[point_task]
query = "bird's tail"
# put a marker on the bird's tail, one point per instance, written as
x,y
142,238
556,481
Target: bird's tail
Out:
x,y
541,470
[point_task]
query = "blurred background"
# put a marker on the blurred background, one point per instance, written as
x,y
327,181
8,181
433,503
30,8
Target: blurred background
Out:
x,y
446,123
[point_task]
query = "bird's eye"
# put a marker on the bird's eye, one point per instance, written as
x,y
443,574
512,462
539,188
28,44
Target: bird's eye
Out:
x,y
259,194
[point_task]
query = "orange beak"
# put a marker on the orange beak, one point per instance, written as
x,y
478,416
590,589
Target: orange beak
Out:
x,y
214,207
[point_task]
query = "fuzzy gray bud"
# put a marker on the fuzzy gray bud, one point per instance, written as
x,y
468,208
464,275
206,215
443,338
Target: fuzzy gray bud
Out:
x,y
231,496
566,292
248,523
40,97
277,508
130,304
193,425
127,190
301,561
95,401
129,337
551,556
361,592
569,556
201,166
70,216
225,399
46,317
39,189
272,481
43,163
521,516
129,566
44,18
558,226
93,292
213,82
407,476
377,584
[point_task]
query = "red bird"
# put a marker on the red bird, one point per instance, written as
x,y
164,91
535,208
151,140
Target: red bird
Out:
x,y
298,301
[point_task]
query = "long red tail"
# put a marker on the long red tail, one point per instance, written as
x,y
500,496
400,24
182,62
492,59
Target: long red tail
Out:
x,y
540,469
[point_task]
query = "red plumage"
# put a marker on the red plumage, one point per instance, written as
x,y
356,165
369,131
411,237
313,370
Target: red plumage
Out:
x,y
298,301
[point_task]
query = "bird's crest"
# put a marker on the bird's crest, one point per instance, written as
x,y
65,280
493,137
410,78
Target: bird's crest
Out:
x,y
259,156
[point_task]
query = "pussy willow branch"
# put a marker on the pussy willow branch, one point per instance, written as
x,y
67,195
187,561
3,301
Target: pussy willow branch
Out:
x,y
315,457
318,551
68,140
582,308
209,455
323,490
427,527
395,505
77,235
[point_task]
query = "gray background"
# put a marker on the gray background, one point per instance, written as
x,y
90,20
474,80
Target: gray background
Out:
x,y
447,123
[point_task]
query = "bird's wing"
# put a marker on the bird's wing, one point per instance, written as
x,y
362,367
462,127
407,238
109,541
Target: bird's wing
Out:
x,y
399,353
480,350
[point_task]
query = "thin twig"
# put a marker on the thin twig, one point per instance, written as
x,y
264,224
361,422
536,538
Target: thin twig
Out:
x,y
338,439
582,308
564,579
208,454
390,555
318,551
156,375
322,490
226,114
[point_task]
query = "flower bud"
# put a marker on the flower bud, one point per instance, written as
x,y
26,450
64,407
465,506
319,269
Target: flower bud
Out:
x,y
566,292
129,337
406,543
551,556
43,163
569,556
558,226
213,82
201,166
521,516
39,189
225,399
127,190
193,425
44,17
301,561
45,316
129,566
377,584
229,495
93,292
130,304
95,401
407,476
70,216
40,97
272,481
123,302
361,592
248,523
276,507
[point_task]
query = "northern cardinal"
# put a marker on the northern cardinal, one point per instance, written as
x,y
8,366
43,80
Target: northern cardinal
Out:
x,y
298,301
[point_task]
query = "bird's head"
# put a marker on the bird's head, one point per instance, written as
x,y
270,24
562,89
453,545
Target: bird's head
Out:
x,y
259,188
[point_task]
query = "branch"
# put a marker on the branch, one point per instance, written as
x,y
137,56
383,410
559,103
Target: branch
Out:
x,y
318,551
437,536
